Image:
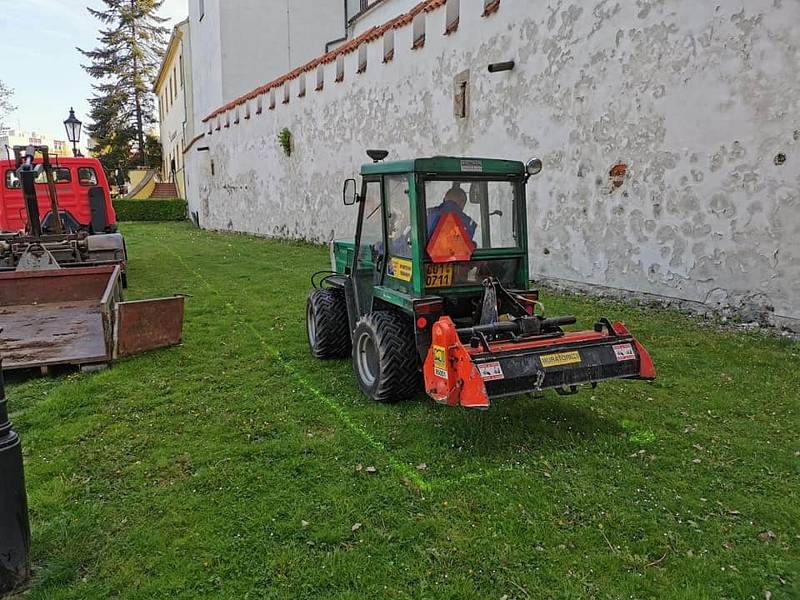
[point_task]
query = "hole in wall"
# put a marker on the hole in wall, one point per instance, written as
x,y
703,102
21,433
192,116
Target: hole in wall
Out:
x,y
452,16
388,46
320,77
780,158
617,175
418,27
339,68
362,58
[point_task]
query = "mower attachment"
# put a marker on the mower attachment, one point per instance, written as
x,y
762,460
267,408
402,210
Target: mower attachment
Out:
x,y
469,366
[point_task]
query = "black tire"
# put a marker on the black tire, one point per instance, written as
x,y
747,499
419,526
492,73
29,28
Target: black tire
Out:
x,y
326,323
385,357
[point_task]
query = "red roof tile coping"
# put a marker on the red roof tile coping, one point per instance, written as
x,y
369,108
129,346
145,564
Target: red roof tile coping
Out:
x,y
368,36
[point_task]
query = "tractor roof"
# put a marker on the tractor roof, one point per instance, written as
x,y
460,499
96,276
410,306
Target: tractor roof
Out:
x,y
447,165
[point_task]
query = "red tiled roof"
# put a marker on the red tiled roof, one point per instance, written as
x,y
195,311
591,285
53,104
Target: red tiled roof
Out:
x,y
368,36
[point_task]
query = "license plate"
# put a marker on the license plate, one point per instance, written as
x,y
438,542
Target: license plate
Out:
x,y
560,359
438,275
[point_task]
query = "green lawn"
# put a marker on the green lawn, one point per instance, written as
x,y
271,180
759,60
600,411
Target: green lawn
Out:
x,y
236,466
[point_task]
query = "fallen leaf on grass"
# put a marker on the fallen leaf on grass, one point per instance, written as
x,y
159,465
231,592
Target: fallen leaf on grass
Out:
x,y
766,536
304,523
355,527
697,461
421,467
371,470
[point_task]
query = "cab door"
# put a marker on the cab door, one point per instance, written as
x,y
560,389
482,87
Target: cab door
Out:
x,y
369,260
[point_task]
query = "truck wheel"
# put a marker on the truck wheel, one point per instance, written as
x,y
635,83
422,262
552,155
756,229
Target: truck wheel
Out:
x,y
385,357
326,324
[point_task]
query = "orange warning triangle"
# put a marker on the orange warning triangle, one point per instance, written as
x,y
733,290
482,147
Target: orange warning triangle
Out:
x,y
450,241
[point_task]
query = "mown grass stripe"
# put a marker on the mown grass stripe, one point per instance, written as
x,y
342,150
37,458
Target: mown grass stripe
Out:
x,y
402,469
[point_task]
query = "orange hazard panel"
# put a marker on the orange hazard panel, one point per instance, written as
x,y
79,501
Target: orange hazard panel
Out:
x,y
450,241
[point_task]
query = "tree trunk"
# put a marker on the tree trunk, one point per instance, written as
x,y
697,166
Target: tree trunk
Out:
x,y
137,94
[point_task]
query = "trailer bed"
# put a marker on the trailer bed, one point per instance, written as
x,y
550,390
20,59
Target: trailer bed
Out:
x,y
77,317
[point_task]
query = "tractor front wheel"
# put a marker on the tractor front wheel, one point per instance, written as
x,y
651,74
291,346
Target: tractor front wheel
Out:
x,y
385,358
326,323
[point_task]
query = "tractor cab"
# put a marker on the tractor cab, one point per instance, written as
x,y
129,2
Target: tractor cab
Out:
x,y
438,269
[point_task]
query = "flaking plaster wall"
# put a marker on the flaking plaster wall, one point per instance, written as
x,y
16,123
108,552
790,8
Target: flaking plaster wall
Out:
x,y
669,130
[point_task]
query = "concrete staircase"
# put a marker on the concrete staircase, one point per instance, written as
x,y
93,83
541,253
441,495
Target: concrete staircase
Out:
x,y
164,190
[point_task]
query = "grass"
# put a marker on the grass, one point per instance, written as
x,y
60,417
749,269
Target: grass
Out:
x,y
235,466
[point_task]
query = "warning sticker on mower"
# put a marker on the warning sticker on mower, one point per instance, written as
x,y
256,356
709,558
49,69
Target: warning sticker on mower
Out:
x,y
560,358
624,352
491,371
440,362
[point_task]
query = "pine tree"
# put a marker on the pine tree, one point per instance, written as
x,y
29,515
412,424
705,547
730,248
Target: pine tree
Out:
x,y
131,46
5,101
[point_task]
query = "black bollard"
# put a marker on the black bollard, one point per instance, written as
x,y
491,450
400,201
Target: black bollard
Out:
x,y
15,529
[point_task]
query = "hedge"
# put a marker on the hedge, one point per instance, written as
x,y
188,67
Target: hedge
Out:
x,y
150,210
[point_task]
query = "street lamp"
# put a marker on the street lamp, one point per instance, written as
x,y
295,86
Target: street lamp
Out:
x,y
73,127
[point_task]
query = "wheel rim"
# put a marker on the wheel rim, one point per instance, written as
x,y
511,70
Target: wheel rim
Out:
x,y
366,359
311,323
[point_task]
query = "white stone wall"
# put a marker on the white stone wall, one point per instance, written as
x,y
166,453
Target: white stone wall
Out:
x,y
696,99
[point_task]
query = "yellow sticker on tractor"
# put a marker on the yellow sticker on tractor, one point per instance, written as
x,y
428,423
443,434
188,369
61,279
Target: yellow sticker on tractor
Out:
x,y
440,361
559,359
399,268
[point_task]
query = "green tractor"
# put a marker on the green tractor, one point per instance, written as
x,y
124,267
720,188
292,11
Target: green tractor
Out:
x,y
434,290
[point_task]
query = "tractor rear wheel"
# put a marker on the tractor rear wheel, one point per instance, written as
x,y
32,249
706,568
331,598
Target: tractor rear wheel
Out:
x,y
385,357
327,324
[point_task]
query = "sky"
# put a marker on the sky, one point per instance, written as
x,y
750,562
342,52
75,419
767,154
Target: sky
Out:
x,y
39,61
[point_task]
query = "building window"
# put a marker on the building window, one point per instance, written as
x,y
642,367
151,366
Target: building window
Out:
x,y
388,46
419,31
259,104
236,116
246,109
286,93
340,68
272,99
180,64
452,16
301,84
362,58
202,9
490,7
320,77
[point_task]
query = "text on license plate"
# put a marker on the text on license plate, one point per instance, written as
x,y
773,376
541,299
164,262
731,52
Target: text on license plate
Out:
x,y
560,358
438,275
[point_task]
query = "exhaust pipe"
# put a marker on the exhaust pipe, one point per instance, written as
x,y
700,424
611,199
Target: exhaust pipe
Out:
x,y
15,530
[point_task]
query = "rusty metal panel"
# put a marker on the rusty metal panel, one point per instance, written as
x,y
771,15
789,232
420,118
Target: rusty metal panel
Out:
x,y
37,335
147,324
64,285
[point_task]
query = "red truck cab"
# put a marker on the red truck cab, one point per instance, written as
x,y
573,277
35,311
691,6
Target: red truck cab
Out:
x,y
84,197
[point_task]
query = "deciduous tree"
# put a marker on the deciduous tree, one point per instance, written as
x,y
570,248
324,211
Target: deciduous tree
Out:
x,y
6,93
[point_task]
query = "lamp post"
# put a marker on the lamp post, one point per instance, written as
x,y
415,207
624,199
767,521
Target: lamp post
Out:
x,y
73,127
15,530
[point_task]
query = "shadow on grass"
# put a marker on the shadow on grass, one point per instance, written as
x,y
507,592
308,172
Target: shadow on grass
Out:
x,y
511,426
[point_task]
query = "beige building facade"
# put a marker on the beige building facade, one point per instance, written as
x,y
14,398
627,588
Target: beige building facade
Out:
x,y
173,87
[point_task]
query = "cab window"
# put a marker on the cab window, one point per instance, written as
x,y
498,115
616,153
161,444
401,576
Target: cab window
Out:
x,y
487,209
398,215
12,181
87,176
60,175
371,244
